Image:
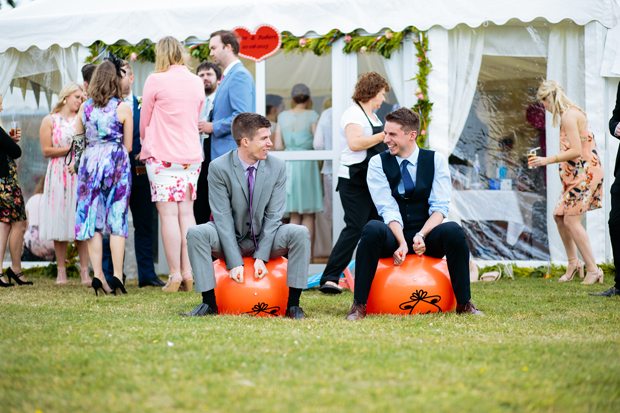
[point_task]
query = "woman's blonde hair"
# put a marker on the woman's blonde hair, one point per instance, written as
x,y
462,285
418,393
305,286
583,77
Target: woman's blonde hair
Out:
x,y
169,51
559,103
67,90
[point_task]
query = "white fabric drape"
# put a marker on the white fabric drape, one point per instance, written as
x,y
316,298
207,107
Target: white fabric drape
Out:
x,y
565,65
466,46
8,66
394,70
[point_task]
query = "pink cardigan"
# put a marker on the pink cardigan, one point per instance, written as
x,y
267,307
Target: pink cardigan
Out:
x,y
171,106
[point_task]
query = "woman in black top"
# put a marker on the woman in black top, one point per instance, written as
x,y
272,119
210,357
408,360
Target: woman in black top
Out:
x,y
12,208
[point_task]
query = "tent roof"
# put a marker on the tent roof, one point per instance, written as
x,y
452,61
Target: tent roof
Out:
x,y
43,23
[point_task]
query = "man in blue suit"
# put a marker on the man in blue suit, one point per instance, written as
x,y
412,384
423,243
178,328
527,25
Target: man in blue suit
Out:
x,y
139,201
236,93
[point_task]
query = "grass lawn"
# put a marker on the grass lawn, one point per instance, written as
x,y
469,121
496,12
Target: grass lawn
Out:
x,y
543,346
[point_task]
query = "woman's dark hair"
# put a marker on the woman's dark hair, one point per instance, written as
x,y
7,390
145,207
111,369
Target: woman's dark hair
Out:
x,y
300,93
105,85
368,86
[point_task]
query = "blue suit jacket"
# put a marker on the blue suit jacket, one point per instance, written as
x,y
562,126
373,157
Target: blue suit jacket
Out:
x,y
136,146
236,94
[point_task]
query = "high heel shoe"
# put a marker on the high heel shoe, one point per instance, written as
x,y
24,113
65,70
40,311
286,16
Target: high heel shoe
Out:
x,y
173,284
117,284
98,285
61,277
6,285
85,275
188,283
571,270
594,276
10,274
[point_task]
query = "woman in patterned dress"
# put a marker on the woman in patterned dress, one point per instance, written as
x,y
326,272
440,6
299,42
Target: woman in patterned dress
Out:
x,y
104,176
171,106
60,192
12,208
581,174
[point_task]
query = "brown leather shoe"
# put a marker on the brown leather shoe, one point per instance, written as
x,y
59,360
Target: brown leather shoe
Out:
x,y
358,311
468,308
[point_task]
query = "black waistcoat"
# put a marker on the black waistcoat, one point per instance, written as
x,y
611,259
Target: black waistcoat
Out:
x,y
413,210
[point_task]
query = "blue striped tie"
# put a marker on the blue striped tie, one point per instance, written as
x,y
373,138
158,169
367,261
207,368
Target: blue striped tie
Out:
x,y
407,181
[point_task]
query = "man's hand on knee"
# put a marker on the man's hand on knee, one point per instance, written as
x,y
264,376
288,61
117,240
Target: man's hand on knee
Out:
x,y
236,274
259,268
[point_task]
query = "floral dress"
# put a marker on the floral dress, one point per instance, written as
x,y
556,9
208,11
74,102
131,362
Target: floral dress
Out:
x,y
12,208
60,193
582,177
104,178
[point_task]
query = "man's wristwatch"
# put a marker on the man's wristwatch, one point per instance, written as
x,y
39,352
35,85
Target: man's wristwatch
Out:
x,y
420,234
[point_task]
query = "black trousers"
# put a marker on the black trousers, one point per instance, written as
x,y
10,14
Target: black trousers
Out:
x,y
142,213
202,210
378,241
614,227
358,210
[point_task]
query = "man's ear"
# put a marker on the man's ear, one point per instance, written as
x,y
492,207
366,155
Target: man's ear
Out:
x,y
413,134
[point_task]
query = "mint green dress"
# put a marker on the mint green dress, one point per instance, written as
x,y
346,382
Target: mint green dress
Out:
x,y
304,189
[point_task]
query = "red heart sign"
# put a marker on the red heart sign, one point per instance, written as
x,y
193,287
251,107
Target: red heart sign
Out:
x,y
265,41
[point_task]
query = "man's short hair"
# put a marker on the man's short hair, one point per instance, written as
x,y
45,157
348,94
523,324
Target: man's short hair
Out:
x,y
406,118
228,37
246,125
210,65
128,68
87,72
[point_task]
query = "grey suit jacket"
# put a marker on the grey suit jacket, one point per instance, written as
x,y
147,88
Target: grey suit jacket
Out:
x,y
229,197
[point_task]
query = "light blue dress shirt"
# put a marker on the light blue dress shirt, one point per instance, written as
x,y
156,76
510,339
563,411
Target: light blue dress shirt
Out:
x,y
381,192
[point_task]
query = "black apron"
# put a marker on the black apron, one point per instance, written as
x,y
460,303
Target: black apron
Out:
x,y
358,171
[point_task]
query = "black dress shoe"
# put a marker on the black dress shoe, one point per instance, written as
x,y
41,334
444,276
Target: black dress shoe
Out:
x,y
153,282
609,293
295,313
200,311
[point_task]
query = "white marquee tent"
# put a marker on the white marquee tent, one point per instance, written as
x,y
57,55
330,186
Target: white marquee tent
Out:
x,y
43,38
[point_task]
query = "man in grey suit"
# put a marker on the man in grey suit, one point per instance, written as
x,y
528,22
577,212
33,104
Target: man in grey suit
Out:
x,y
247,194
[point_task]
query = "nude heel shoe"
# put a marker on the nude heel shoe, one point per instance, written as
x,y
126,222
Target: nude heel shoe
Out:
x,y
61,278
188,283
571,270
174,281
594,276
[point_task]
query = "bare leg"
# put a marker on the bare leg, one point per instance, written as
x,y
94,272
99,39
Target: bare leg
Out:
x,y
5,230
567,238
16,245
308,222
186,220
61,252
295,218
95,251
82,247
117,248
580,236
171,234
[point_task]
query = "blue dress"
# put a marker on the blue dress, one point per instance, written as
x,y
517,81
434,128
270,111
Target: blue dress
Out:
x,y
104,178
304,189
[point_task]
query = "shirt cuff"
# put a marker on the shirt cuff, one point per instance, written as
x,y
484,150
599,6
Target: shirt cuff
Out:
x,y
393,217
443,210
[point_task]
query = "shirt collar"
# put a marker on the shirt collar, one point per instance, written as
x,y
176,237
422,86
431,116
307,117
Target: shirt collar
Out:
x,y
245,165
230,67
413,158
129,97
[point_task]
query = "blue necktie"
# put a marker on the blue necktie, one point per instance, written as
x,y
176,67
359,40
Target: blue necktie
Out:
x,y
407,181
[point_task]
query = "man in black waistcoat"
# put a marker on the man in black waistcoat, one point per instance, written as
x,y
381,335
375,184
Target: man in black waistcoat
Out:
x,y
614,214
411,189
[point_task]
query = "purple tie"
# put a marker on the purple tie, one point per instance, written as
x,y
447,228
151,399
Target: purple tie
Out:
x,y
251,183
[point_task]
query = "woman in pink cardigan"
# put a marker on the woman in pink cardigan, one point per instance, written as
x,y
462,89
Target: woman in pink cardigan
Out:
x,y
171,148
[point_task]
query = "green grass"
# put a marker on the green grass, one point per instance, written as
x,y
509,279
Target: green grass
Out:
x,y
543,346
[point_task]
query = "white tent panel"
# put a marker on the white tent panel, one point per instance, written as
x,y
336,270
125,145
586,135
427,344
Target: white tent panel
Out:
x,y
44,23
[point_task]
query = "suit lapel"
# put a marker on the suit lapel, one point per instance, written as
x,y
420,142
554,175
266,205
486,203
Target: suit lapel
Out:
x,y
243,183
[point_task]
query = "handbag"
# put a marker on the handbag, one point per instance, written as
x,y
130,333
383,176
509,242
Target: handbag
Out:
x,y
76,150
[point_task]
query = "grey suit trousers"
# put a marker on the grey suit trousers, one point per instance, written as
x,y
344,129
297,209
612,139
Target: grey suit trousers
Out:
x,y
203,243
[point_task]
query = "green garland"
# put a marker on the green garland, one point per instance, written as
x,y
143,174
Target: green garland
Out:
x,y
384,44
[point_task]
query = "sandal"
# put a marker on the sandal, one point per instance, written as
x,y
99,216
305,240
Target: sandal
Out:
x,y
174,281
188,283
330,287
492,275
